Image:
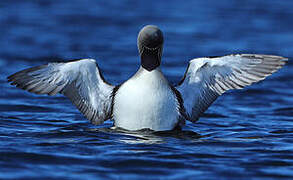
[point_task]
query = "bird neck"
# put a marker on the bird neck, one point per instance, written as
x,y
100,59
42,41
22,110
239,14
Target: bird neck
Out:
x,y
150,60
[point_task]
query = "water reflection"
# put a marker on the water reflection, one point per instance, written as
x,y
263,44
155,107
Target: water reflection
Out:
x,y
147,136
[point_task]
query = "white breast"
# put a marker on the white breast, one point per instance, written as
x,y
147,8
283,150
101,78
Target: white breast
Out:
x,y
146,101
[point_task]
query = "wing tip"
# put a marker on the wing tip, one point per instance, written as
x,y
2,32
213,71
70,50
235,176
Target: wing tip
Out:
x,y
263,56
285,59
12,77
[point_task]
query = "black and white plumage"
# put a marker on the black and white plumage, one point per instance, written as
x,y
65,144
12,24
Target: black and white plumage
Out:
x,y
81,81
147,100
207,78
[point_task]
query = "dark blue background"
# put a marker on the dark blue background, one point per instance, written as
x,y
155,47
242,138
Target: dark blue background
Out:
x,y
246,133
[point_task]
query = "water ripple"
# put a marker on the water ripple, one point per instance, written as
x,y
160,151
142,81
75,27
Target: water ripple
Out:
x,y
246,134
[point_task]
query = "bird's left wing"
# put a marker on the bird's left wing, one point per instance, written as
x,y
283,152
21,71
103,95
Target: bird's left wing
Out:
x,y
207,78
81,81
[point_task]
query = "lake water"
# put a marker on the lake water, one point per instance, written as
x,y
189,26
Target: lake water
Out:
x,y
246,134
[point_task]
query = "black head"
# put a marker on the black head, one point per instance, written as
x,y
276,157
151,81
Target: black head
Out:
x,y
150,46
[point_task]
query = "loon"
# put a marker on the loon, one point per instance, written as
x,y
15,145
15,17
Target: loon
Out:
x,y
147,100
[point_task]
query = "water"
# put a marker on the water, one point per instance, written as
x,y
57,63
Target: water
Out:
x,y
245,134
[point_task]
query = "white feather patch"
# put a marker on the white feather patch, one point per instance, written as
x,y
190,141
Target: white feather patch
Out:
x,y
146,101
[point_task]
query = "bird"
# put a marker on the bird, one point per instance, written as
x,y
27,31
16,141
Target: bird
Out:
x,y
147,100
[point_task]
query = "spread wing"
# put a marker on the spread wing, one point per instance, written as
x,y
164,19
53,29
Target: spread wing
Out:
x,y
207,78
81,81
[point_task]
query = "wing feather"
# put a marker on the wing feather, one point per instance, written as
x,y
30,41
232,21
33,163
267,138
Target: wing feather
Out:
x,y
207,78
81,81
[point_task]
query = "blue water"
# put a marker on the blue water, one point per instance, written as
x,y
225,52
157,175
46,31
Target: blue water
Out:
x,y
246,134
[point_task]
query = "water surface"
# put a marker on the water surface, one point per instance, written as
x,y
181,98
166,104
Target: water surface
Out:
x,y
245,134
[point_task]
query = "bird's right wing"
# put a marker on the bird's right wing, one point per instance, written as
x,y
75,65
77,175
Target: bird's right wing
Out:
x,y
81,81
207,78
